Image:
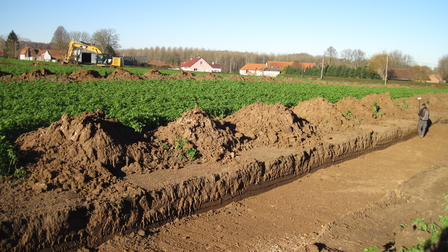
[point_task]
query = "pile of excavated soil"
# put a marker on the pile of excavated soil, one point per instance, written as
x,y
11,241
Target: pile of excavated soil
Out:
x,y
182,75
80,154
154,73
85,75
121,74
36,74
209,76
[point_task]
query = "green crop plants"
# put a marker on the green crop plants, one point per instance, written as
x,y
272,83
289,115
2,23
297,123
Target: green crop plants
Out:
x,y
180,143
371,249
348,114
376,109
404,104
438,239
8,158
192,153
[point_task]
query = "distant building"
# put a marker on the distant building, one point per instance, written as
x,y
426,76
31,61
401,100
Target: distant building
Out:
x,y
200,65
402,75
271,68
48,55
134,60
435,78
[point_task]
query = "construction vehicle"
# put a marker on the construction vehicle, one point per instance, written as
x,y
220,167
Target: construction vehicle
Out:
x,y
101,58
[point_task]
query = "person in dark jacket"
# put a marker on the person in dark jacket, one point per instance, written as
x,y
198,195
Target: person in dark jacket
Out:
x,y
423,115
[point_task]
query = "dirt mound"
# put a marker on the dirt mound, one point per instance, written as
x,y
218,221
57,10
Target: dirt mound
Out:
x,y
372,107
36,74
269,79
235,78
330,121
271,125
121,74
214,140
153,73
80,154
182,75
85,75
209,76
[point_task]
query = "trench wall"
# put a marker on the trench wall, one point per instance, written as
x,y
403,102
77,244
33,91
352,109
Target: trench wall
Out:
x,y
88,225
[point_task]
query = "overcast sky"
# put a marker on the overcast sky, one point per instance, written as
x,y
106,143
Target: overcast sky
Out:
x,y
414,27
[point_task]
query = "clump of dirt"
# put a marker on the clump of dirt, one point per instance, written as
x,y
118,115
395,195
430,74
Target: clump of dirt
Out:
x,y
82,154
121,74
182,75
209,76
85,75
269,79
154,73
372,107
212,137
36,74
235,78
271,125
333,120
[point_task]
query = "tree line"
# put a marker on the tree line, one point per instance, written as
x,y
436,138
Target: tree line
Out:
x,y
360,72
348,62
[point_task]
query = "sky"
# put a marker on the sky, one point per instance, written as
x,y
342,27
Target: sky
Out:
x,y
413,27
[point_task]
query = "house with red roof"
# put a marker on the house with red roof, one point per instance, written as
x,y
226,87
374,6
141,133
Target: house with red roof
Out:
x,y
200,65
29,53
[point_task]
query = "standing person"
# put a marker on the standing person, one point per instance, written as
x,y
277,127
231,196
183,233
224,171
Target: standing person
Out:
x,y
423,115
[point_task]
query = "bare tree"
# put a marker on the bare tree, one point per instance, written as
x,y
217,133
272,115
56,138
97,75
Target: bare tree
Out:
x,y
347,56
400,60
330,54
443,67
83,37
60,39
359,57
107,40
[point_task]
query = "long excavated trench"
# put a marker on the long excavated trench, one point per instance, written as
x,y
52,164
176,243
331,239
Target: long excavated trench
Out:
x,y
170,194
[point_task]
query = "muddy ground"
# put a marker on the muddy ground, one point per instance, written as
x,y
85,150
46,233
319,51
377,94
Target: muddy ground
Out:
x,y
97,185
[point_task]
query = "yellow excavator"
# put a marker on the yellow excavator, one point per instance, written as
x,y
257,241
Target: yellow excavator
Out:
x,y
101,59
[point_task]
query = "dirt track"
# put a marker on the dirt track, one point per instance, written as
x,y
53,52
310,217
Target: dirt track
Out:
x,y
333,207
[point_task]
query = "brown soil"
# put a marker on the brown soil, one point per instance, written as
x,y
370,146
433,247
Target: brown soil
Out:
x,y
99,185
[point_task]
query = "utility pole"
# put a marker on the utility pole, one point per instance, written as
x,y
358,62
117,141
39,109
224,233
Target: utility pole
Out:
x,y
322,71
387,65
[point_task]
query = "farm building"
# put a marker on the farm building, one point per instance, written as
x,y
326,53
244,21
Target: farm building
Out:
x,y
271,68
403,75
435,78
134,60
29,53
200,65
